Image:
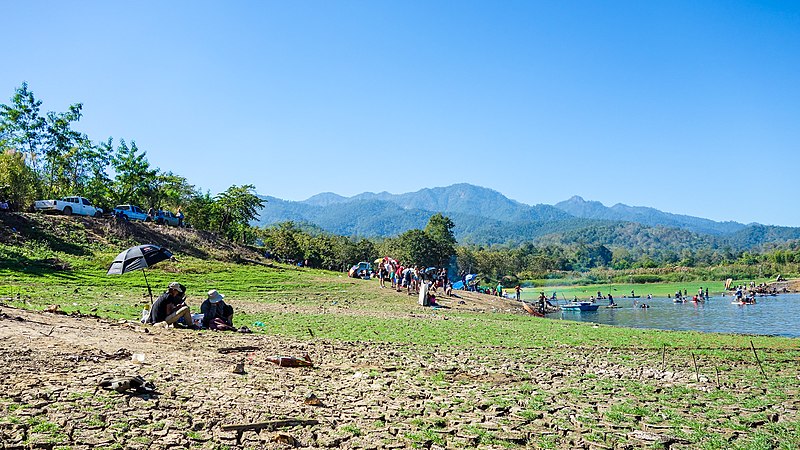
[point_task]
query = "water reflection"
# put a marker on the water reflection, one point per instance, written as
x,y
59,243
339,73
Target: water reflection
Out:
x,y
770,316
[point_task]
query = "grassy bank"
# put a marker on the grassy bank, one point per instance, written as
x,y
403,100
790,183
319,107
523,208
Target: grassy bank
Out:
x,y
291,301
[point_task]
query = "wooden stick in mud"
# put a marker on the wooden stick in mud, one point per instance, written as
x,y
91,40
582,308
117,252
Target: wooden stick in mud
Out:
x,y
696,372
663,356
244,348
270,425
756,355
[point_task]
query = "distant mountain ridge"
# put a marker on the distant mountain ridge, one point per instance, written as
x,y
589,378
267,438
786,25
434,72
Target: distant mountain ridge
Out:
x,y
485,217
579,207
458,198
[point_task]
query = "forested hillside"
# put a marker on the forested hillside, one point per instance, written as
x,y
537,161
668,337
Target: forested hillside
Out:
x,y
485,217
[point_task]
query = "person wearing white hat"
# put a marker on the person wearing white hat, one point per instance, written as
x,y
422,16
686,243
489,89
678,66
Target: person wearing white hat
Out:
x,y
217,315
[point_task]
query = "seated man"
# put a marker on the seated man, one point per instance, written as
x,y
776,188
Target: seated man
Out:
x,y
217,315
170,307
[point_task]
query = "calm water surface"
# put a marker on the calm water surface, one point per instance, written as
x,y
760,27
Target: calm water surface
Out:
x,y
771,315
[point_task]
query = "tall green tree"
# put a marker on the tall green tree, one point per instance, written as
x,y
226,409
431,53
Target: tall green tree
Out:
x,y
22,127
17,180
64,150
96,184
282,240
199,211
416,248
235,208
171,191
134,177
440,230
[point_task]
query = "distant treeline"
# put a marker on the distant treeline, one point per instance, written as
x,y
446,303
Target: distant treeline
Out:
x,y
435,246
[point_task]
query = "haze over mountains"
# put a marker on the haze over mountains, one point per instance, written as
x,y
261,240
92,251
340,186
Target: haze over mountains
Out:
x,y
484,216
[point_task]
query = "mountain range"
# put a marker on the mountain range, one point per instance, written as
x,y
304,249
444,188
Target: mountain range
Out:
x,y
484,216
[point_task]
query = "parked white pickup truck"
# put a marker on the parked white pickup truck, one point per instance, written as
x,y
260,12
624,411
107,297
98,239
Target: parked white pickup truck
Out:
x,y
69,206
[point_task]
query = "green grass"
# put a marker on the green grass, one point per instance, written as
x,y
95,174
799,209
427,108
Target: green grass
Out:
x,y
304,293
351,430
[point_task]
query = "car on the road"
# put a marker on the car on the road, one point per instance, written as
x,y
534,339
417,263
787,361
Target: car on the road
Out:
x,y
132,212
166,217
69,206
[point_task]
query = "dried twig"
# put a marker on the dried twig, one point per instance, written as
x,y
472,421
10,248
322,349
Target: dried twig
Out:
x,y
245,348
757,360
270,425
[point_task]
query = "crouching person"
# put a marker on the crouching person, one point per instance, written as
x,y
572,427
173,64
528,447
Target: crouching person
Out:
x,y
170,307
217,315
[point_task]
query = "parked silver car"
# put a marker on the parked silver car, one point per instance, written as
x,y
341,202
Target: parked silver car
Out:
x,y
166,217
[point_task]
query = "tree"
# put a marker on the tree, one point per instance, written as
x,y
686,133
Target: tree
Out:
x,y
440,230
282,243
170,190
64,150
134,177
235,208
97,184
416,248
17,180
200,211
21,125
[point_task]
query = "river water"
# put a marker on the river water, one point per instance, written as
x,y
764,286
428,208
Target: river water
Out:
x,y
770,316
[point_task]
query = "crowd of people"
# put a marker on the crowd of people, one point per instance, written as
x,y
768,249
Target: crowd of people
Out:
x,y
412,278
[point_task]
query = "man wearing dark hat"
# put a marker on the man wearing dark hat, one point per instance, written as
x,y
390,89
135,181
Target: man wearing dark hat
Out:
x,y
170,307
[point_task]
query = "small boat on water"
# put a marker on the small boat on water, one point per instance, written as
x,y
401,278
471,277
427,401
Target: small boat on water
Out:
x,y
580,306
529,309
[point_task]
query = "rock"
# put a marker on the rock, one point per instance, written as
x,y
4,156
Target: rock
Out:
x,y
283,438
312,400
329,441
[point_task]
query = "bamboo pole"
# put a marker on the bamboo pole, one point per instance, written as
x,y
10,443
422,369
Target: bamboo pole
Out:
x,y
757,360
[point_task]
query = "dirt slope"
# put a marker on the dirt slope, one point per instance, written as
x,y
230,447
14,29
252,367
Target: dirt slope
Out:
x,y
76,235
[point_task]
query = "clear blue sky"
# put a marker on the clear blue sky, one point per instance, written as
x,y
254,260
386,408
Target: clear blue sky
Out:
x,y
691,107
